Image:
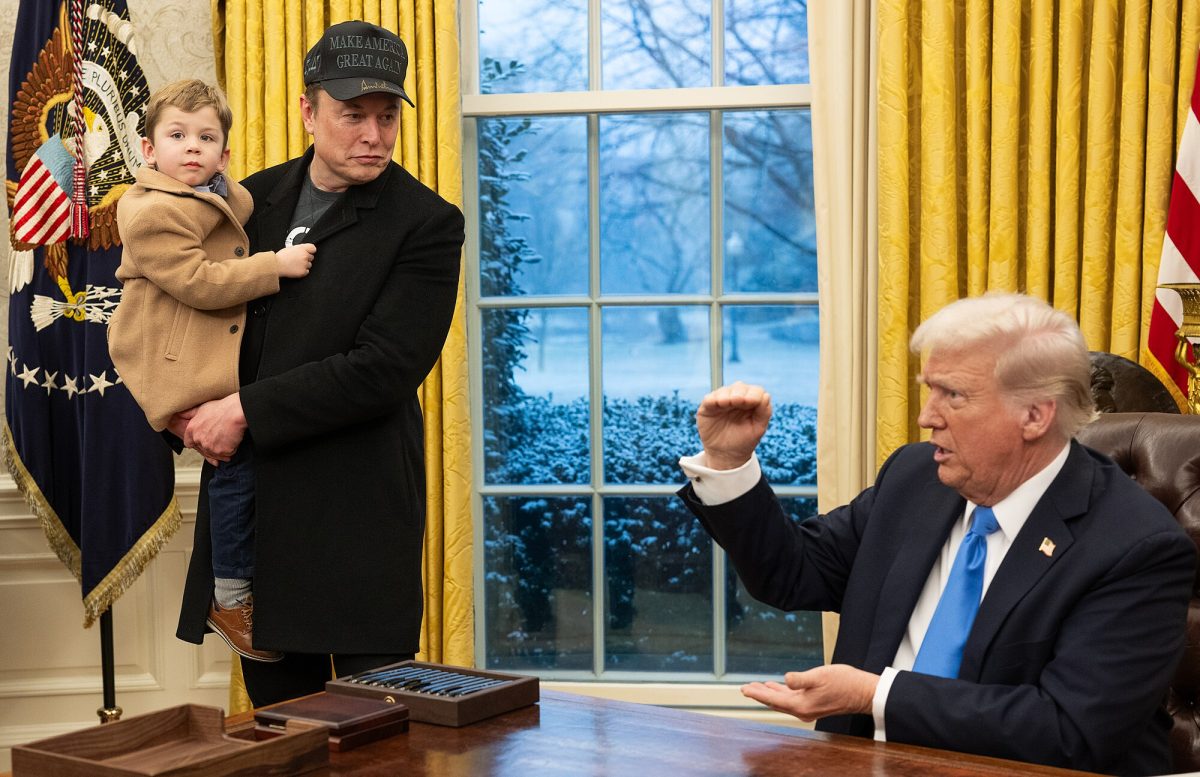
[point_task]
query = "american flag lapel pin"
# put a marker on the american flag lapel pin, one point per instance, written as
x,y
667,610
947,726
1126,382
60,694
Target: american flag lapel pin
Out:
x,y
1047,547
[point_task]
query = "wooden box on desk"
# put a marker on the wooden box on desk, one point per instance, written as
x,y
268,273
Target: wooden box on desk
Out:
x,y
511,692
184,741
352,721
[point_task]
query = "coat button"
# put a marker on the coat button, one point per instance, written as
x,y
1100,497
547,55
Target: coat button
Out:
x,y
233,329
239,251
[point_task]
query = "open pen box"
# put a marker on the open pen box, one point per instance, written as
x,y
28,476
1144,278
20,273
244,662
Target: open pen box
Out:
x,y
439,693
184,741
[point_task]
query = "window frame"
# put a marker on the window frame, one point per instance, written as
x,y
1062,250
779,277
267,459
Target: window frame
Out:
x,y
672,689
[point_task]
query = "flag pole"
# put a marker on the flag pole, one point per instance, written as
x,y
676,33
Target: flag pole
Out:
x,y
110,711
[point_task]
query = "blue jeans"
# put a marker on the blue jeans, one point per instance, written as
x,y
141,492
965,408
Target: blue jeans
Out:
x,y
231,515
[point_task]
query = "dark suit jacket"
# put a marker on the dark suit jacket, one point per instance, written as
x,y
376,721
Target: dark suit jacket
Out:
x,y
332,409
1070,656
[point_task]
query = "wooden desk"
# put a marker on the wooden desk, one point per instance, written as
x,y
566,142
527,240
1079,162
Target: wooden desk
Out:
x,y
567,734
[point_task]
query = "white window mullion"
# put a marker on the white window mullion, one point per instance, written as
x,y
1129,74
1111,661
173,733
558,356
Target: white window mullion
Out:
x,y
718,42
716,345
475,371
468,24
638,100
596,393
595,74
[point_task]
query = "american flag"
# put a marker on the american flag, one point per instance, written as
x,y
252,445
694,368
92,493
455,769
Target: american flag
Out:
x,y
1180,261
42,210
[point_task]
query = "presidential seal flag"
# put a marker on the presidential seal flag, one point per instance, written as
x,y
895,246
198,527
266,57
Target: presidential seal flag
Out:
x,y
100,481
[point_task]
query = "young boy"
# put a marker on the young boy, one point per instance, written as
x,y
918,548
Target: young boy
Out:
x,y
176,335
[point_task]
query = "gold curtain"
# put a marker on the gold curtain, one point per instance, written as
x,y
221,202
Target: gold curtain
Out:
x,y
260,53
1024,146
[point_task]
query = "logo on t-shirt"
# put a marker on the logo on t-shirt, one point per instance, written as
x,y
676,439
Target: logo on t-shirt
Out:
x,y
295,236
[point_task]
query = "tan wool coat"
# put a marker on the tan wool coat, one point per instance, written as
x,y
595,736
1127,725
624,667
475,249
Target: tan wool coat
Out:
x,y
187,275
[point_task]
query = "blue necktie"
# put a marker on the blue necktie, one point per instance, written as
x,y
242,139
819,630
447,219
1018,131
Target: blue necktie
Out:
x,y
941,651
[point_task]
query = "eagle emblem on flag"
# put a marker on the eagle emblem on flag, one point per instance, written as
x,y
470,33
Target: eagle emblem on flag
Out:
x,y
52,136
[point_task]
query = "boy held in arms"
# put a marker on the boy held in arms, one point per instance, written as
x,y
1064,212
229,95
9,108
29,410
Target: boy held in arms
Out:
x,y
176,335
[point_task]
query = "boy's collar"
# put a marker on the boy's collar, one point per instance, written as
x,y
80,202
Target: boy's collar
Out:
x,y
217,185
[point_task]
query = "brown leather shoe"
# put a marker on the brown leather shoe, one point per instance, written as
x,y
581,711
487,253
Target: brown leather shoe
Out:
x,y
236,627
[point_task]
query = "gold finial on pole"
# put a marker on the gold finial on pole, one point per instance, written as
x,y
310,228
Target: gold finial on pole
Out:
x,y
1188,332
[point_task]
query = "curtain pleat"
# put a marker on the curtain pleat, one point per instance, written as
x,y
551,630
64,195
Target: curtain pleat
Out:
x,y
840,52
1000,267
978,133
897,200
1099,115
1130,185
262,45
1026,147
435,151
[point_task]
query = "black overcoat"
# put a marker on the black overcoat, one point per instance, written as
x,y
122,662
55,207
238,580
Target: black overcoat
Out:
x,y
335,420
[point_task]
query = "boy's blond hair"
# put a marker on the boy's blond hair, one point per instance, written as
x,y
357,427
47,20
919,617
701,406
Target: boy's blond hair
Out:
x,y
189,95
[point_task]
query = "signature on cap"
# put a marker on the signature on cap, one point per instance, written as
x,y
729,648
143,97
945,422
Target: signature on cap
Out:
x,y
371,86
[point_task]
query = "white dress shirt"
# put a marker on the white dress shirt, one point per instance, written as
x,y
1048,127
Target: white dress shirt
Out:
x,y
714,487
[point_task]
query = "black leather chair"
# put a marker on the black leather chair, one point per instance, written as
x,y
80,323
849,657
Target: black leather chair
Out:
x,y
1161,451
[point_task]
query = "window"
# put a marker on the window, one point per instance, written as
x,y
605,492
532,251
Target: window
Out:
x,y
639,195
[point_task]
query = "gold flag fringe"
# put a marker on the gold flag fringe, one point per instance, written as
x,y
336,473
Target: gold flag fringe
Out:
x,y
125,572
132,564
56,534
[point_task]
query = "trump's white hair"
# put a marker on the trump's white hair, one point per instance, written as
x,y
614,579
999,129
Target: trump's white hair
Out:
x,y
1040,352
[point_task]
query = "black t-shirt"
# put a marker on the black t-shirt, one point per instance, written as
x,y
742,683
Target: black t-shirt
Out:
x,y
310,208
312,204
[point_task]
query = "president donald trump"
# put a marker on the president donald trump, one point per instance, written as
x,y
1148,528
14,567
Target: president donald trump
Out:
x,y
1003,589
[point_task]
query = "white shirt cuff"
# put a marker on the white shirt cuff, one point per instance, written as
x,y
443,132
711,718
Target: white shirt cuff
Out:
x,y
718,486
879,703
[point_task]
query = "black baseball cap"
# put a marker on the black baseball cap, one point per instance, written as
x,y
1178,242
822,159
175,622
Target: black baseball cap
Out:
x,y
357,58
